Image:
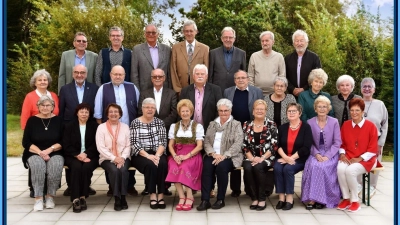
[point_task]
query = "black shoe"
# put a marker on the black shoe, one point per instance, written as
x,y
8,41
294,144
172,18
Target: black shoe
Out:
x,y
204,205
310,206
117,204
167,192
82,202
161,204
288,206
235,194
253,207
154,206
67,192
76,207
261,208
110,192
92,191
319,206
218,204
32,193
144,192
132,191
280,205
124,204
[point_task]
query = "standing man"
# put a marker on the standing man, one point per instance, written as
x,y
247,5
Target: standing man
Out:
x,y
203,95
242,96
185,55
74,57
226,60
300,63
147,57
71,95
114,55
126,95
266,65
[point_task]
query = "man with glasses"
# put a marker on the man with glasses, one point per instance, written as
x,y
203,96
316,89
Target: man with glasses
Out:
x,y
242,96
71,58
226,60
147,57
112,56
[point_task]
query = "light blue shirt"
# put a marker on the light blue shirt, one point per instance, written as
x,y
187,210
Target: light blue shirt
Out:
x,y
120,99
154,55
80,91
81,61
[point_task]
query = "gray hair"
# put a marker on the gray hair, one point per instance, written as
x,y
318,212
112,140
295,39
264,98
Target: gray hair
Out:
x,y
247,75
79,34
115,28
188,23
317,74
148,101
151,25
282,79
300,33
297,105
267,32
43,99
40,73
228,29
224,102
366,80
200,67
343,78
323,99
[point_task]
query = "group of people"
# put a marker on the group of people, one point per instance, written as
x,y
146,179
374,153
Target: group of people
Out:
x,y
275,116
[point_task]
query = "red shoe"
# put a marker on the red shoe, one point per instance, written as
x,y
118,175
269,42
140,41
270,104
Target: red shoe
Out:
x,y
186,206
354,207
344,204
179,207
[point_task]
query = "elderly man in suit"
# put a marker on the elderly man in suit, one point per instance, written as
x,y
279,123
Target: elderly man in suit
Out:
x,y
149,56
74,57
203,95
242,96
226,60
71,95
185,55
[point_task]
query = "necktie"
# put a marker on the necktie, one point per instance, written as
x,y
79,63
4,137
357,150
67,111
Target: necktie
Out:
x,y
190,55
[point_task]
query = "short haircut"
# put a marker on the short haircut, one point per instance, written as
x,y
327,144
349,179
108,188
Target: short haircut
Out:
x,y
357,102
188,23
148,101
43,99
151,25
300,33
366,80
247,75
323,99
200,67
40,73
152,72
294,104
115,28
282,79
259,102
344,78
185,103
115,106
228,29
79,34
267,32
84,106
318,74
226,102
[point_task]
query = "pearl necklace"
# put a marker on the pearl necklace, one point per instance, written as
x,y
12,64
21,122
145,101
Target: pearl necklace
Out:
x,y
295,128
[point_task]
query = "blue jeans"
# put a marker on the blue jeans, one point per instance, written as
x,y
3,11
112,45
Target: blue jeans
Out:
x,y
284,176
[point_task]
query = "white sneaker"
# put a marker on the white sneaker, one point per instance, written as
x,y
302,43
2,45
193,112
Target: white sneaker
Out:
x,y
38,205
49,203
372,192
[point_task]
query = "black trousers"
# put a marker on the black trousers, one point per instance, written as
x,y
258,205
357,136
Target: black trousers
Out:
x,y
80,176
154,176
256,180
209,171
236,180
118,177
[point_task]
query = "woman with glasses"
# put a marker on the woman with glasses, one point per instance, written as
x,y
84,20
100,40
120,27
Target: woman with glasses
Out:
x,y
293,150
320,185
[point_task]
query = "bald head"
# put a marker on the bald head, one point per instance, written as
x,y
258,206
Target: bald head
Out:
x,y
79,73
158,78
117,75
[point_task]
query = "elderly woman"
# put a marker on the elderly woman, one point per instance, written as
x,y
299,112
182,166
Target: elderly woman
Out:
x,y
376,112
112,140
320,185
185,163
294,148
317,80
148,141
42,151
81,155
357,154
222,145
259,147
40,81
277,102
340,102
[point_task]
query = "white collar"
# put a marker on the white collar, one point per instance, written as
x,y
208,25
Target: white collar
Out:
x,y
360,124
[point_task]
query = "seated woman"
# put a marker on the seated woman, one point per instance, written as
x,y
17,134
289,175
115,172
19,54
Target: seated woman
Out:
x,y
320,185
148,141
259,146
357,154
185,163
317,80
222,145
81,155
42,151
294,148
277,102
112,140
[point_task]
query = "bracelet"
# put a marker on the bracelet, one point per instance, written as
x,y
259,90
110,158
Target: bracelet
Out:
x,y
158,155
175,156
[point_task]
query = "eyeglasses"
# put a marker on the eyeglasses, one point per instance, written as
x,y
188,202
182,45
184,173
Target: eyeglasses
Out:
x,y
279,86
367,87
116,35
259,109
292,111
79,41
151,33
322,107
149,107
241,78
46,106
79,72
228,38
223,111
157,77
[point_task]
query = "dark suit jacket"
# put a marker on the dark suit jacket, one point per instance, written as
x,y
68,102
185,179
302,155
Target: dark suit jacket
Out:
x,y
69,99
218,73
212,94
302,144
168,104
72,140
254,94
142,65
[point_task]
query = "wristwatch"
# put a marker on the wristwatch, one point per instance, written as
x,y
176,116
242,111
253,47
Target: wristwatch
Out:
x,y
52,148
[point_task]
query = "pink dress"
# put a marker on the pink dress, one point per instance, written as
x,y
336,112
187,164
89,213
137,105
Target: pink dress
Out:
x,y
188,172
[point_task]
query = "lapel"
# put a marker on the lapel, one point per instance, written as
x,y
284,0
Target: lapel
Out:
x,y
146,53
251,96
88,59
86,92
160,54
220,55
74,95
207,93
183,51
164,99
156,114
196,49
